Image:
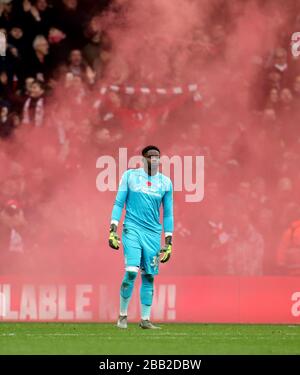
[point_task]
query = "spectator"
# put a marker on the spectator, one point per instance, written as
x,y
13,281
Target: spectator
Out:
x,y
39,65
280,60
27,88
265,221
5,89
286,100
59,47
269,116
42,17
273,99
274,80
12,228
69,17
288,252
7,123
6,14
246,249
92,49
79,68
34,107
16,38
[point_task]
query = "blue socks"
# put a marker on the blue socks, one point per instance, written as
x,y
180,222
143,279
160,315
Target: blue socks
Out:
x,y
146,294
126,291
145,312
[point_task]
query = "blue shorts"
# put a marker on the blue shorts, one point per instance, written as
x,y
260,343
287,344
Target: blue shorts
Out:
x,y
141,249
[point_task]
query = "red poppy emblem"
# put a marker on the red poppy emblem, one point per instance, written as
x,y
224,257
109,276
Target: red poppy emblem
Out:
x,y
149,183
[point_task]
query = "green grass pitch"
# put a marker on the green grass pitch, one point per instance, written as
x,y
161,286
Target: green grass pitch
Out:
x,y
83,338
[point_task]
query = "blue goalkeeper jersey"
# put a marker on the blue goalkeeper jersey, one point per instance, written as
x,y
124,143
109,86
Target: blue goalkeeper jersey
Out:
x,y
143,196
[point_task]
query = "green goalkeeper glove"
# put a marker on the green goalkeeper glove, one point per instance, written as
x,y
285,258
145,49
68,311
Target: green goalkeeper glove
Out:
x,y
114,240
166,250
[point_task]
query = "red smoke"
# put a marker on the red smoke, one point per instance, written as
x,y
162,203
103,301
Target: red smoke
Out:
x,y
227,48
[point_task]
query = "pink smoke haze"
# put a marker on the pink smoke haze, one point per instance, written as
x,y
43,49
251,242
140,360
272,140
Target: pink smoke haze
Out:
x,y
245,125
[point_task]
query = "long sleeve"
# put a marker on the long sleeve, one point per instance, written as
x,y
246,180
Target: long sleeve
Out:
x,y
120,198
168,218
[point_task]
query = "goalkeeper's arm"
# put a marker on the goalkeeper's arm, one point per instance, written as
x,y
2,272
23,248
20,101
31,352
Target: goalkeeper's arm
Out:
x,y
168,224
114,240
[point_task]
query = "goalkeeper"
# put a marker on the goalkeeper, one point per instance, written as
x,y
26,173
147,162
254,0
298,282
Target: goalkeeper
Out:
x,y
142,190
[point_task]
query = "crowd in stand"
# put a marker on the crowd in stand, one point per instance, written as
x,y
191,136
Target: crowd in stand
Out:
x,y
51,109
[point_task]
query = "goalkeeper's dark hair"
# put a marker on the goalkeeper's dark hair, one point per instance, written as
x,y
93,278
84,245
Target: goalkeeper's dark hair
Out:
x,y
148,148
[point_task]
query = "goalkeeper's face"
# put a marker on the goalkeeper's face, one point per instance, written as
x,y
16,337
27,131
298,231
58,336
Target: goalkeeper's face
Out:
x,y
152,158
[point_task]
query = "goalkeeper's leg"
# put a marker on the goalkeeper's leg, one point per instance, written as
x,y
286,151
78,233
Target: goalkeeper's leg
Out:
x,y
146,301
146,295
126,293
132,253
